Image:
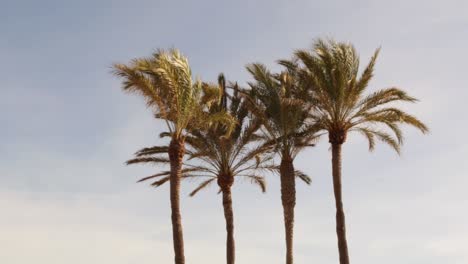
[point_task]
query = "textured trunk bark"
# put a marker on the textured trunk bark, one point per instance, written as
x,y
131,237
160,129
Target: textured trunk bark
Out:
x,y
340,216
288,199
176,154
229,216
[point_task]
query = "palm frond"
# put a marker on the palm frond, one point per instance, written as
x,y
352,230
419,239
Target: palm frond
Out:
x,y
155,160
200,187
152,150
257,180
164,173
161,181
301,175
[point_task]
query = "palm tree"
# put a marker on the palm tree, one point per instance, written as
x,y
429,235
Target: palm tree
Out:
x,y
164,80
220,158
276,102
340,106
226,158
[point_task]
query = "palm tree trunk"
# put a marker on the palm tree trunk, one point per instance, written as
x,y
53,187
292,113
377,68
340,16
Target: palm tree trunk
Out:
x,y
176,154
340,217
229,216
288,199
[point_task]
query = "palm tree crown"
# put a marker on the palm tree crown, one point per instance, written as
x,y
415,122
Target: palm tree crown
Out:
x,y
165,81
337,94
277,101
237,155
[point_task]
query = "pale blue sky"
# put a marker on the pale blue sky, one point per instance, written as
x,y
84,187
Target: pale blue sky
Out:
x,y
67,128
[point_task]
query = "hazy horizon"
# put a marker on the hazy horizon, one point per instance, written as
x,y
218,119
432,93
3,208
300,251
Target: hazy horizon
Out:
x,y
67,128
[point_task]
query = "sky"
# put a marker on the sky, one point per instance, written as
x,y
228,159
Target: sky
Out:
x,y
67,128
